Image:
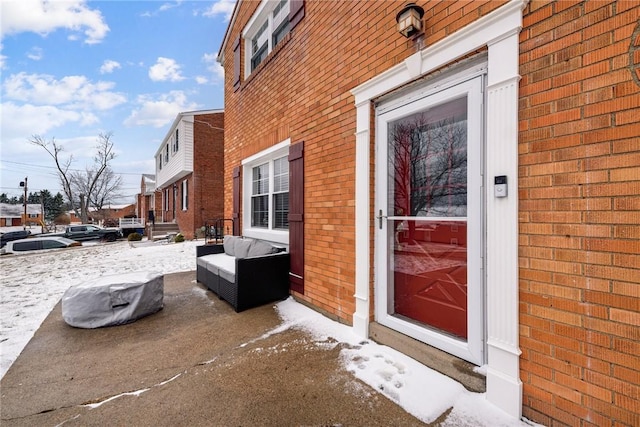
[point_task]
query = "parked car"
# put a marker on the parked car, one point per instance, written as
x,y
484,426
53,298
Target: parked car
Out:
x,y
38,244
13,235
91,232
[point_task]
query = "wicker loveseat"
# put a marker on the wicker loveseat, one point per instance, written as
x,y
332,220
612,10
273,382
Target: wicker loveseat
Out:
x,y
244,272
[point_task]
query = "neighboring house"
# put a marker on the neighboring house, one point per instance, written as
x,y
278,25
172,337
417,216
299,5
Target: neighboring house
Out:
x,y
110,211
145,201
474,187
189,171
13,215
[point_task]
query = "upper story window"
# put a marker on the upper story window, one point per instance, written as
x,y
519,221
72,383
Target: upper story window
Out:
x,y
265,30
176,141
268,27
160,162
166,153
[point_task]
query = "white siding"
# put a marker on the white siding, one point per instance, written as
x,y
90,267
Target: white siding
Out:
x,y
180,163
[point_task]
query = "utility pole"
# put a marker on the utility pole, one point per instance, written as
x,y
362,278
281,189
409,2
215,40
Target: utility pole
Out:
x,y
24,217
83,212
42,221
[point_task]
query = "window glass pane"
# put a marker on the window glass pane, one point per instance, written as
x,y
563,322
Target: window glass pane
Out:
x,y
281,174
26,246
280,32
428,162
259,57
51,244
280,21
261,179
259,46
281,210
260,211
281,11
260,38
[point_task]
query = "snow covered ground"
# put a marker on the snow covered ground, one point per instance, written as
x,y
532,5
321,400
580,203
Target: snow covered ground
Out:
x,y
31,285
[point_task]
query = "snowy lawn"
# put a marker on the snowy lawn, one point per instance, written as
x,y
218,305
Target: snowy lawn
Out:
x,y
31,285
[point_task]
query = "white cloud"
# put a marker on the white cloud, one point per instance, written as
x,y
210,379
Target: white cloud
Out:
x,y
20,122
44,17
108,66
214,66
220,7
165,69
35,53
160,111
201,80
75,92
167,6
164,7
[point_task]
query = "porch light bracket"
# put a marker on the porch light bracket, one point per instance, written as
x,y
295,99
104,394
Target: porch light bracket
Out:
x,y
409,20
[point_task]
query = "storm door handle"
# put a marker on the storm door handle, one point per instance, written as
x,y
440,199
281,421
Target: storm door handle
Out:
x,y
380,217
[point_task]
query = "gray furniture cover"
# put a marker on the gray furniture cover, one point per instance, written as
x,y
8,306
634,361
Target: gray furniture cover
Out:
x,y
113,300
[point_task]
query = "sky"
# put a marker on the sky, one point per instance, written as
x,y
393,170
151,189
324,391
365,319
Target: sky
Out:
x,y
73,69
30,290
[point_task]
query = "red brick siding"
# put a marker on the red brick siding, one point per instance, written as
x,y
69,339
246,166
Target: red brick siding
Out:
x,y
579,214
206,190
579,151
301,91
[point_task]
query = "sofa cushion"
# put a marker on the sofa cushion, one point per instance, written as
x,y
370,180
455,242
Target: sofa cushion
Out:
x,y
226,266
259,248
227,275
242,246
229,245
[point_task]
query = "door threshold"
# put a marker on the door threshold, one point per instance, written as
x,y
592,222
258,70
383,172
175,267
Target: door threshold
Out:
x,y
438,360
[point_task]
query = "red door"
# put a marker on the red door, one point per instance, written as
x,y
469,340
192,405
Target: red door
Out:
x,y
427,187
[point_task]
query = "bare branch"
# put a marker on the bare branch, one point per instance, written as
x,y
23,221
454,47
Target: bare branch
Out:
x,y
97,184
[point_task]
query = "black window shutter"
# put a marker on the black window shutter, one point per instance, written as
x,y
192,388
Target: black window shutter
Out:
x,y
236,64
296,216
296,13
237,197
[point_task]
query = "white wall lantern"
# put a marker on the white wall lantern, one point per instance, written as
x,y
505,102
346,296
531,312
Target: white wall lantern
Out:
x,y
409,20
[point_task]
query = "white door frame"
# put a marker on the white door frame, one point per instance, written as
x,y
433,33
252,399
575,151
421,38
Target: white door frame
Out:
x,y
498,32
472,349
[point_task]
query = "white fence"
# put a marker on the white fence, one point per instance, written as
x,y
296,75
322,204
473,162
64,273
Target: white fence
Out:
x,y
131,222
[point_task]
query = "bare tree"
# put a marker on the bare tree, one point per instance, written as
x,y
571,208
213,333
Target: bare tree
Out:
x,y
95,185
99,190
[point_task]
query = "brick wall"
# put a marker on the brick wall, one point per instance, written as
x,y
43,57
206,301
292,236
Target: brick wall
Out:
x,y
579,177
580,212
206,188
184,218
302,92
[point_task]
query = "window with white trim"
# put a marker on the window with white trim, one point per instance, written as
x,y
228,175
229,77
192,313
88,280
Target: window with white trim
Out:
x,y
260,196
175,142
160,162
280,193
166,153
266,194
185,195
270,195
265,30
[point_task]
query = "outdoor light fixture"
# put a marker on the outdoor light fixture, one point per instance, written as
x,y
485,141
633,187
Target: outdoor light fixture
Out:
x,y
409,20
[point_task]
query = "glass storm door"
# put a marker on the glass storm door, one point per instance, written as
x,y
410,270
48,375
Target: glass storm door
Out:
x,y
429,271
